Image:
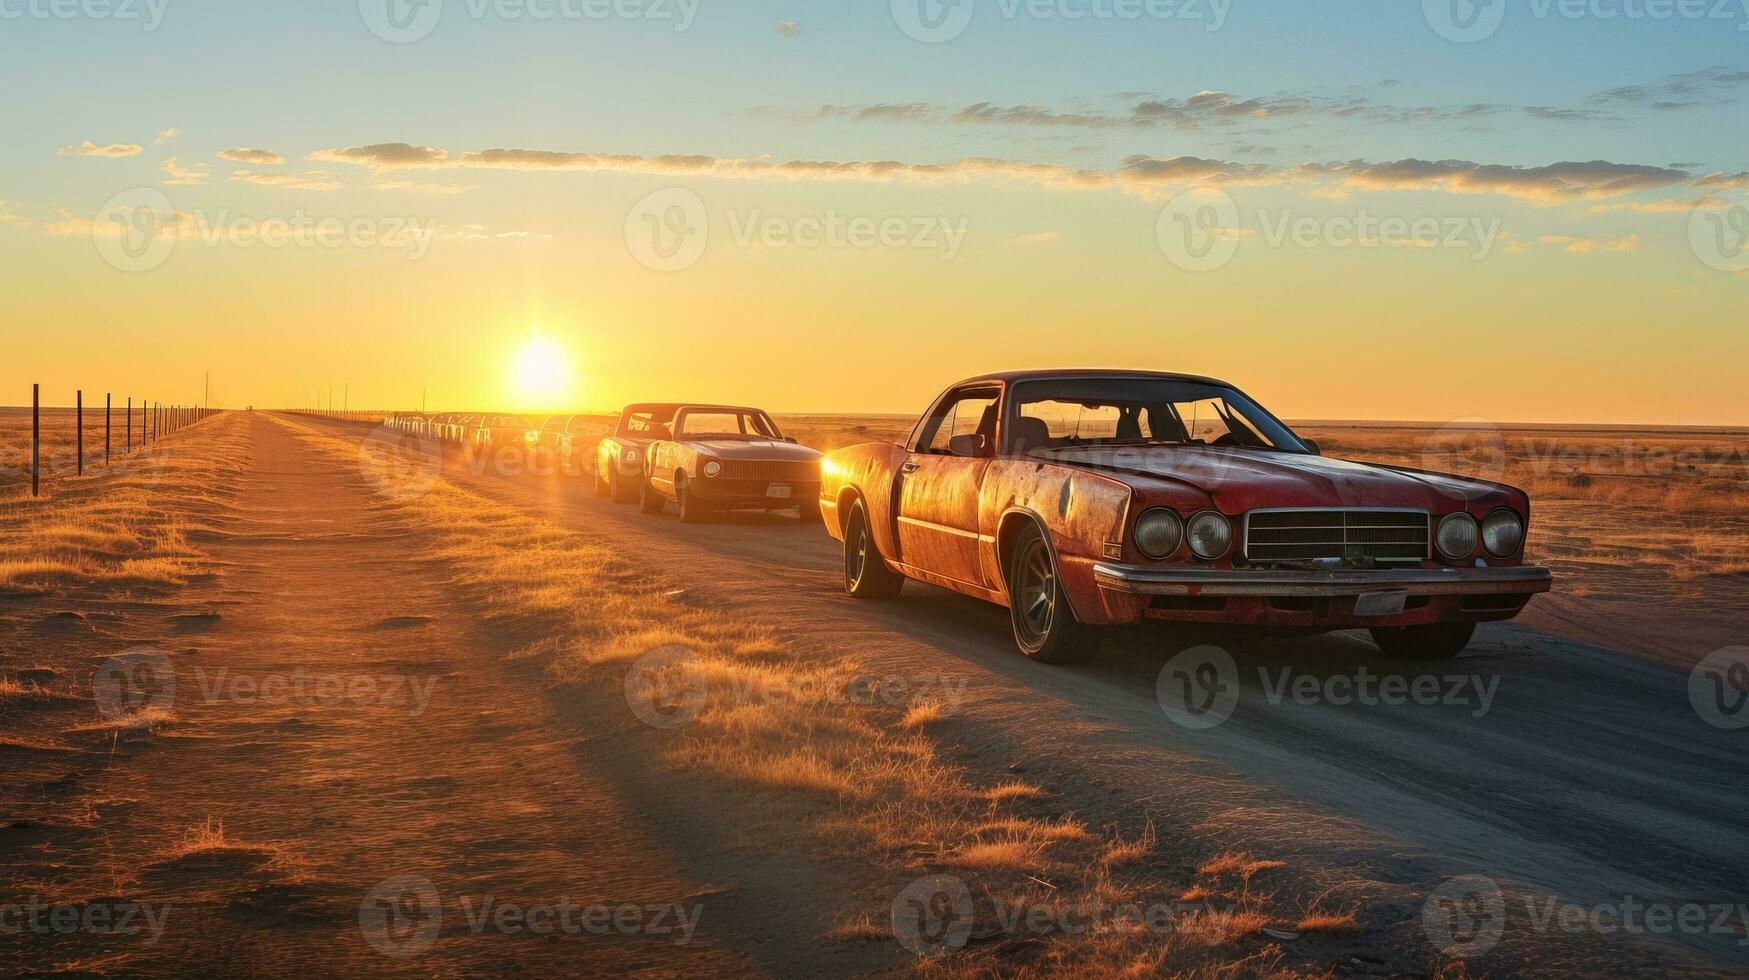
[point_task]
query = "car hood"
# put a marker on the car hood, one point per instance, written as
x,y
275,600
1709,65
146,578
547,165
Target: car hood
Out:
x,y
1238,480
767,450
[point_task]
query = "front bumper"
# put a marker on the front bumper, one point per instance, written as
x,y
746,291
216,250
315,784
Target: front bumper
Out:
x,y
1191,581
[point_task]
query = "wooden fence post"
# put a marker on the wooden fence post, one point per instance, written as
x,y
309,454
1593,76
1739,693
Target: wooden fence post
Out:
x,y
79,423
106,398
36,435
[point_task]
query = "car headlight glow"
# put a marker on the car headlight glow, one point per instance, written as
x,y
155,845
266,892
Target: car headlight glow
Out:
x,y
1503,533
1159,532
1457,536
1210,535
713,468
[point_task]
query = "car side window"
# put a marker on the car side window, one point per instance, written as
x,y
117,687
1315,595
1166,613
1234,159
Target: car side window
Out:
x,y
956,424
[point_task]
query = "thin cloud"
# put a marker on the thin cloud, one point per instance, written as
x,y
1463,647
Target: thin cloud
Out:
x,y
407,185
383,155
788,28
253,157
1666,206
90,149
1722,181
1549,184
166,135
1714,85
175,173
309,180
1038,238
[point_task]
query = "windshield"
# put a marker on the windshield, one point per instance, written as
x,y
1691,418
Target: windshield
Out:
x,y
726,424
1074,412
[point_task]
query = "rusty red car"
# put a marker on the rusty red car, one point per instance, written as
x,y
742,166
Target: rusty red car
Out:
x,y
721,457
1087,499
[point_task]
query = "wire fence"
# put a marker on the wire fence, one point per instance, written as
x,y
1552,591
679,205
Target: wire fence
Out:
x,y
128,426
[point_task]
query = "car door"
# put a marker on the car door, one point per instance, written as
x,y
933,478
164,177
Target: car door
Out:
x,y
939,483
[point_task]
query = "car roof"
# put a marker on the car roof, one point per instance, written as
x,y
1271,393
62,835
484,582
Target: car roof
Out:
x,y
653,407
722,408
1063,374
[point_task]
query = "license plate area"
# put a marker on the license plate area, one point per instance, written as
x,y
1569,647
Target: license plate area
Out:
x,y
1381,603
779,491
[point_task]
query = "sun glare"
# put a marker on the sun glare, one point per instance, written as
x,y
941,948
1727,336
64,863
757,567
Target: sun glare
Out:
x,y
540,375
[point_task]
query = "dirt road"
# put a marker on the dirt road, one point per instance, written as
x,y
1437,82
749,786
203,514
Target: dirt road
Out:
x,y
393,796
1578,780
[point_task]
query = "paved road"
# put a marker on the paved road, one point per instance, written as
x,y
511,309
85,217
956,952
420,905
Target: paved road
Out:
x,y
1558,770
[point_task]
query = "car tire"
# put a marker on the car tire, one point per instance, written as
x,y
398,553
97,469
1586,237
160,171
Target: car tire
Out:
x,y
1045,628
809,511
1440,641
692,510
649,501
603,488
866,575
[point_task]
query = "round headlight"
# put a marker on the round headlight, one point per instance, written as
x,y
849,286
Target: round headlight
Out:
x,y
1210,535
1158,533
713,468
1503,534
1457,536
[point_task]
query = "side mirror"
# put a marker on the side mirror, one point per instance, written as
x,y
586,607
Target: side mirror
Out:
x,y
789,439
1311,446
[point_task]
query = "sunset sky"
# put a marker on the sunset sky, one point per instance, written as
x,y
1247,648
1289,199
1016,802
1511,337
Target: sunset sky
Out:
x,y
509,209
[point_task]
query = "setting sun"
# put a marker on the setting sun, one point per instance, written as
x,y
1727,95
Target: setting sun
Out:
x,y
540,375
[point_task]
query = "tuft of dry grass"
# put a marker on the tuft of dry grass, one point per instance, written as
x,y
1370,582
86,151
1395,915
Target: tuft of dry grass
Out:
x,y
1012,790
1017,853
923,715
1330,922
1120,852
863,928
12,689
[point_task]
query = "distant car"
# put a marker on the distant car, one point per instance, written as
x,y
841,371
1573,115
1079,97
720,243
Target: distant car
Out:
x,y
494,433
1080,499
729,458
619,458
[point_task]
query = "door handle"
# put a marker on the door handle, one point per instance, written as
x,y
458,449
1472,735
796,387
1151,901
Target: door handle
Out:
x,y
908,468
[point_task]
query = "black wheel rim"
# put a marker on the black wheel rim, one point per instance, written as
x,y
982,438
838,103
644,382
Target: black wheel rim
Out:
x,y
1035,591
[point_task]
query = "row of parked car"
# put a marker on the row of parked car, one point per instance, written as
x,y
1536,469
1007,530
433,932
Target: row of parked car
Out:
x,y
1086,499
569,437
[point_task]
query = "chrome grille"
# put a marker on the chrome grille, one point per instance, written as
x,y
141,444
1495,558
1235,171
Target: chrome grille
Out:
x,y
1306,535
783,472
